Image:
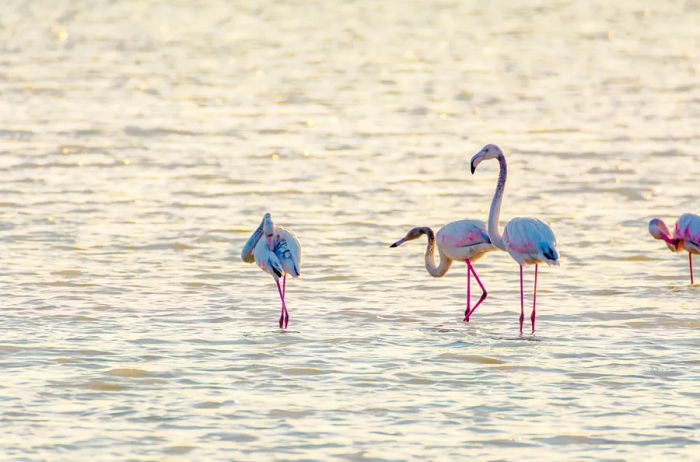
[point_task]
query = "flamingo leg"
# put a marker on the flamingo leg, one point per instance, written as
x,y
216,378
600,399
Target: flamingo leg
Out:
x,y
534,303
484,293
284,316
284,294
690,260
469,292
522,301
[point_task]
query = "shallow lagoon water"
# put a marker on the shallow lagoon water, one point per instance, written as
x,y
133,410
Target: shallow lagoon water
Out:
x,y
142,141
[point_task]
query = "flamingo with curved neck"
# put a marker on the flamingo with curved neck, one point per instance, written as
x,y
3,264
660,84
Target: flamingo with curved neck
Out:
x,y
436,271
464,240
686,236
527,240
278,254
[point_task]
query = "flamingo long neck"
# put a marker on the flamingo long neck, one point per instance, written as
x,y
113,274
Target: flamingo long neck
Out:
x,y
249,247
668,240
495,212
673,243
445,261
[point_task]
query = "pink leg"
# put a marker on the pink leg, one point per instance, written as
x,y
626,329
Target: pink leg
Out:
x,y
534,303
284,316
522,301
484,293
284,294
469,292
690,258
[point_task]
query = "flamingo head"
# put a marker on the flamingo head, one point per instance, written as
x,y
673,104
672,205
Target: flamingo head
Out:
x,y
659,230
490,151
414,233
268,230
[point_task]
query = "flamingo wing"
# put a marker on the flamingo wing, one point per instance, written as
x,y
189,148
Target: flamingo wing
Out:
x,y
529,240
688,229
267,260
288,250
464,239
463,233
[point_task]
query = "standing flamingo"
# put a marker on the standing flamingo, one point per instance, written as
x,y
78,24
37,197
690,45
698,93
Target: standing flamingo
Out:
x,y
528,240
686,235
464,240
278,254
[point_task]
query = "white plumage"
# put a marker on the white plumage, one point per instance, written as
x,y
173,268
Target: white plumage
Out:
x,y
464,240
285,258
530,241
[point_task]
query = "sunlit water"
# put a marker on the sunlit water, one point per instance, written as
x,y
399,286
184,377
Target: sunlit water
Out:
x,y
142,142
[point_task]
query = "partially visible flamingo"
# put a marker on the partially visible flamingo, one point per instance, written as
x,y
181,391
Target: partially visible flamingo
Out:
x,y
686,236
464,240
278,254
528,240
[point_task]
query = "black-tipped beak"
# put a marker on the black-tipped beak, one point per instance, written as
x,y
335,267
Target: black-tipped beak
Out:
x,y
398,243
473,167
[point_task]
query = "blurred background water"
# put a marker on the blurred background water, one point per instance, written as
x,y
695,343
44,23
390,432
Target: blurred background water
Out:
x,y
142,141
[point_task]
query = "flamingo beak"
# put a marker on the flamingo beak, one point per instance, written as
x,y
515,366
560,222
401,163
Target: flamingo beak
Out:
x,y
398,243
476,160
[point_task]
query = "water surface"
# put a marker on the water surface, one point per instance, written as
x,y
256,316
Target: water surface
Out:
x,y
141,143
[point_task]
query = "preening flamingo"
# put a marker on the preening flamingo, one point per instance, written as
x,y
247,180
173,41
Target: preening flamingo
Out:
x,y
464,240
686,236
528,240
278,254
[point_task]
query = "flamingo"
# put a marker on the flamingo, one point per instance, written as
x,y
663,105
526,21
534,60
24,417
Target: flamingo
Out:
x,y
686,236
464,240
278,254
528,240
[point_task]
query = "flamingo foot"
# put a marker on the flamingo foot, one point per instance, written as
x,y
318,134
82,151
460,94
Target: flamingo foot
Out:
x,y
522,319
284,320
